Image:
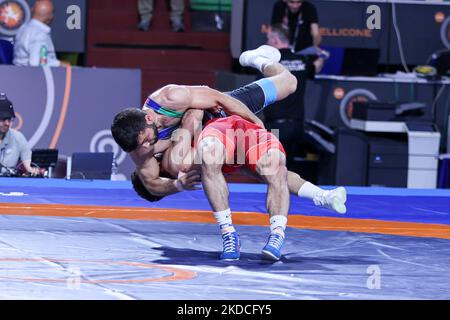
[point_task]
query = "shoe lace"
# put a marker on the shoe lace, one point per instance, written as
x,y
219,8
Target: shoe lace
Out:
x,y
275,240
229,242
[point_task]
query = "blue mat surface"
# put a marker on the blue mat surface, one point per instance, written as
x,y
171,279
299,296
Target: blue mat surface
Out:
x,y
88,258
316,264
390,204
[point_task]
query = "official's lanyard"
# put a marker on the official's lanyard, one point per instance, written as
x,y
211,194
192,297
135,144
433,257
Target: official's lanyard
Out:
x,y
297,28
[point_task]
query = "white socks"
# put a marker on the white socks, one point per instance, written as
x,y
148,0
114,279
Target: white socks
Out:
x,y
224,220
258,62
259,57
332,199
309,191
278,224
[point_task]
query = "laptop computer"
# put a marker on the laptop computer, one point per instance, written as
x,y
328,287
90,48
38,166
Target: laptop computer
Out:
x,y
44,158
360,62
91,165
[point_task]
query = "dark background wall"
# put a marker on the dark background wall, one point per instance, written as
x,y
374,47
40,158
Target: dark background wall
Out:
x,y
420,26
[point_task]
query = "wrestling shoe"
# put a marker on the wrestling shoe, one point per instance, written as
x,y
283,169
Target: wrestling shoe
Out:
x,y
247,58
332,199
272,250
231,246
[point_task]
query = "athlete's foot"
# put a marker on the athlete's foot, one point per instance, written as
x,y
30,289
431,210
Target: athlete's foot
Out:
x,y
247,58
177,24
272,249
231,246
332,199
144,24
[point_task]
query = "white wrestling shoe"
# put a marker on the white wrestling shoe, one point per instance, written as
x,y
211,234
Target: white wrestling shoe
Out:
x,y
247,58
332,199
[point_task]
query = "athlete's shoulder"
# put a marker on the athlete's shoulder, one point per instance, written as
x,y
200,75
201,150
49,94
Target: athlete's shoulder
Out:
x,y
178,93
163,90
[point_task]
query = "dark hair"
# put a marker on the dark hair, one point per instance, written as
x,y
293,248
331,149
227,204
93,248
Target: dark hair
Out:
x,y
282,32
126,127
141,190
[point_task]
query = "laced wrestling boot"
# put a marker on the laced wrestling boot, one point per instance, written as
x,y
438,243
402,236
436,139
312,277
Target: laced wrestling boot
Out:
x,y
272,250
231,246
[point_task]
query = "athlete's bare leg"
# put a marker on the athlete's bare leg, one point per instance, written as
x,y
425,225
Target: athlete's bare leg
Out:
x,y
214,184
213,155
266,59
272,168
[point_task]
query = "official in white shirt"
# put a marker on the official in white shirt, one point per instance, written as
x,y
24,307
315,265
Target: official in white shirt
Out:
x,y
33,43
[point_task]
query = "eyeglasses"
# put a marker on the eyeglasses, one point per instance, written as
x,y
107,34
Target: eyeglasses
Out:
x,y
295,1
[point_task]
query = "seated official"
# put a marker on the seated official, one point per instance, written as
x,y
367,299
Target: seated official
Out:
x,y
14,150
33,43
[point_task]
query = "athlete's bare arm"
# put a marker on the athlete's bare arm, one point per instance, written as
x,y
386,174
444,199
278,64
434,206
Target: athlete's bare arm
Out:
x,y
181,98
148,168
149,176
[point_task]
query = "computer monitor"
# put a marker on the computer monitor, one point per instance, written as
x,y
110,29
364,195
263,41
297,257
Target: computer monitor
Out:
x,y
351,61
360,62
44,158
91,165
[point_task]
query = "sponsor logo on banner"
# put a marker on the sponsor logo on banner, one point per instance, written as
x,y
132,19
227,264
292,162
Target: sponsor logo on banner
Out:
x,y
103,141
439,17
338,93
346,106
346,32
13,14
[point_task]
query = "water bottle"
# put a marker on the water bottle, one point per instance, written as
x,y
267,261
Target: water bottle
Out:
x,y
114,169
43,56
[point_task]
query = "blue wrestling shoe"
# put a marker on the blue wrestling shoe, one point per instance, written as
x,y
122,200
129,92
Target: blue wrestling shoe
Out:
x,y
231,246
272,250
